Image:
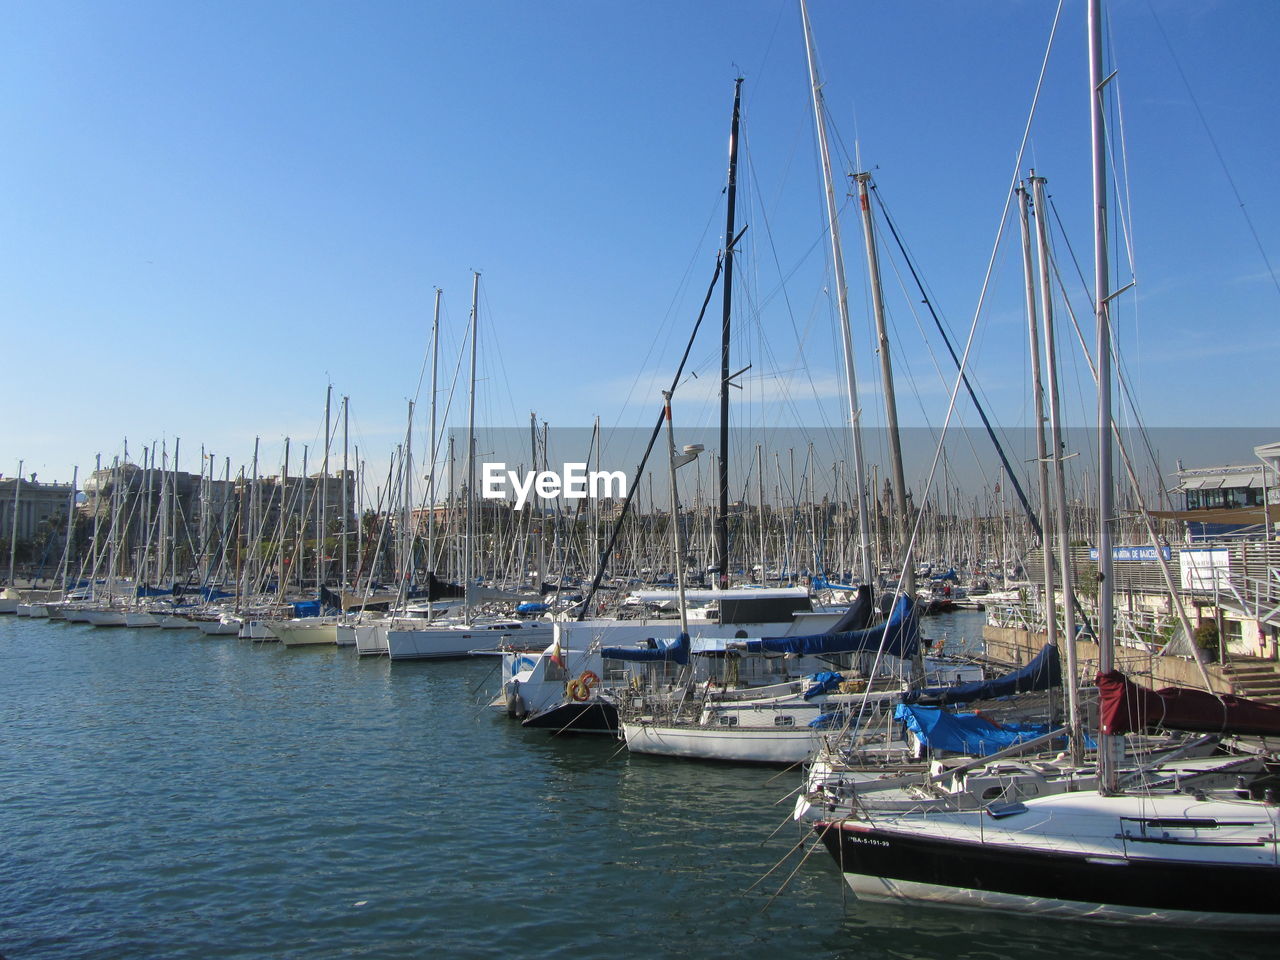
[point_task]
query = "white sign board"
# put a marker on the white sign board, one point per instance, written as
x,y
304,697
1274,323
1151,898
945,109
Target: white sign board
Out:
x,y
1206,570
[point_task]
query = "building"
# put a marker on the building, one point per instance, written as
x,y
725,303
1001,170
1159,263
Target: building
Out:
x,y
38,503
1241,501
41,513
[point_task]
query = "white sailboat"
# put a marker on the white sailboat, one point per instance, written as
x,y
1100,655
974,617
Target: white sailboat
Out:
x,y
456,638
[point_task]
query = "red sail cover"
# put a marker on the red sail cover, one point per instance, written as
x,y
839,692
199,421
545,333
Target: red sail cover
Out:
x,y
1124,707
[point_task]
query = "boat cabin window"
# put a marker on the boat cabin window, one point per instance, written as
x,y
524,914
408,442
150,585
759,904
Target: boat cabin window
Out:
x,y
553,671
784,720
762,609
727,721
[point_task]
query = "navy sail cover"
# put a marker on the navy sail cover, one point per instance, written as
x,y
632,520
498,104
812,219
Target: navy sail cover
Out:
x,y
1042,673
654,651
900,636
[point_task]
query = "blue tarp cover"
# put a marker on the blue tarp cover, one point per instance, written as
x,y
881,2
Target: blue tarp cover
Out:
x,y
900,635
822,683
1042,673
306,608
967,733
531,608
828,720
655,651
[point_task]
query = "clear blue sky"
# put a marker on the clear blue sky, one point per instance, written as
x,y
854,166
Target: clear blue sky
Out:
x,y
211,210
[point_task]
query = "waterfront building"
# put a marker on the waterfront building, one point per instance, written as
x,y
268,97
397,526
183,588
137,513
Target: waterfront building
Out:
x,y
42,511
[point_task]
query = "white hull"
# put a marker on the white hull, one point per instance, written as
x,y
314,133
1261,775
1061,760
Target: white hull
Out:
x,y
218,628
301,634
782,745
104,618
439,643
141,619
369,639
35,610
258,630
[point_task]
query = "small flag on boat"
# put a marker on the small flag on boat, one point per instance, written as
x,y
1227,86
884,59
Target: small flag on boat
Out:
x,y
556,656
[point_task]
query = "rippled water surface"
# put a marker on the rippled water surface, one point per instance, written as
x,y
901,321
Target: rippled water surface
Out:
x,y
163,794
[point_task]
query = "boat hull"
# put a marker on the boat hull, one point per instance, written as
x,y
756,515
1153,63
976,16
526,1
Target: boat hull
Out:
x,y
452,643
370,639
304,635
1168,873
218,628
105,618
257,630
592,716
780,745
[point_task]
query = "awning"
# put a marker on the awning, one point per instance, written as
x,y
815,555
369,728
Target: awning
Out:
x,y
1242,516
1238,479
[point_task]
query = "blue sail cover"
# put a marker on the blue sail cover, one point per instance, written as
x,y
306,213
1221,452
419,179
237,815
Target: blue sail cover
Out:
x,y
145,591
967,733
213,593
1043,673
900,635
859,614
655,651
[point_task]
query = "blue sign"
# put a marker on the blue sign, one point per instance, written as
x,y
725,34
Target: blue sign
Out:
x,y
1147,554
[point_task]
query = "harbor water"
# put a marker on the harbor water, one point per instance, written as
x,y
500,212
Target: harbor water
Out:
x,y
171,795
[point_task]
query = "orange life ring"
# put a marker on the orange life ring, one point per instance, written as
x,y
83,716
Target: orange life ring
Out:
x,y
580,689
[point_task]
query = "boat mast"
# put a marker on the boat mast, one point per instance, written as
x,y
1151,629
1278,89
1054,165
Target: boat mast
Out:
x,y
13,532
1037,403
70,533
406,509
722,462
431,444
255,516
677,548
286,508
1102,280
322,511
760,509
346,475
842,301
172,558
1062,531
468,546
902,526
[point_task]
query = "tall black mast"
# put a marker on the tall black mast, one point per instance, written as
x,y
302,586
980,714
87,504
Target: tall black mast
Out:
x,y
722,514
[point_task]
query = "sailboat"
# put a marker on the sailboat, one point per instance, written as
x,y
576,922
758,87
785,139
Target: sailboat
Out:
x,y
460,637
1152,853
769,725
577,682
